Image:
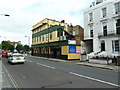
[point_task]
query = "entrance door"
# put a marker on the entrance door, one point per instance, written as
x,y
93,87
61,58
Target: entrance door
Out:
x,y
54,53
103,46
105,32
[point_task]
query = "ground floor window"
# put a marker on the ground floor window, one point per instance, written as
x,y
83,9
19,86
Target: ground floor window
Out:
x,y
116,46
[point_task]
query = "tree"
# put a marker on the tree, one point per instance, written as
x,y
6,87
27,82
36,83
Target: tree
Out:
x,y
0,46
19,47
26,48
7,46
11,47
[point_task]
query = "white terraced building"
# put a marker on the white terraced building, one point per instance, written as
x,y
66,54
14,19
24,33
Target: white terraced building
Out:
x,y
102,29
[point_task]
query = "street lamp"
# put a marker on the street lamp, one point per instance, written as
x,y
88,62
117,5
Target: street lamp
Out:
x,y
48,36
28,40
5,15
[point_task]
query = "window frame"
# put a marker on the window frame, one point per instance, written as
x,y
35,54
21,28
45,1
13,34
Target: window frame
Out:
x,y
91,17
117,10
91,31
114,47
51,36
104,12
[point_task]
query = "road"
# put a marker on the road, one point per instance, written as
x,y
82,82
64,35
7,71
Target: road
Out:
x,y
41,73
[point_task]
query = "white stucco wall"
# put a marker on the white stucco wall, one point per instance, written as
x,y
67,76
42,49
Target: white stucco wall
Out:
x,y
97,25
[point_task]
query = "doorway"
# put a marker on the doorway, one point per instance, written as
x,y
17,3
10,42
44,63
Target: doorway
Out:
x,y
103,45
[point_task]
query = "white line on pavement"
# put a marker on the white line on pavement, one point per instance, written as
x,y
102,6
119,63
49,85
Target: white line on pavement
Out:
x,y
30,61
38,63
47,66
94,79
11,78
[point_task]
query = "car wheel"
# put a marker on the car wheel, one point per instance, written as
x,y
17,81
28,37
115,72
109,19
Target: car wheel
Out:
x,y
22,62
11,63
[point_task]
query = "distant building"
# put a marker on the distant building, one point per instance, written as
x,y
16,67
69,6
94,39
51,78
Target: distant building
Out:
x,y
102,28
15,43
55,39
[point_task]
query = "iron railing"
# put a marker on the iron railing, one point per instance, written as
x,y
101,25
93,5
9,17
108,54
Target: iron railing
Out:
x,y
108,33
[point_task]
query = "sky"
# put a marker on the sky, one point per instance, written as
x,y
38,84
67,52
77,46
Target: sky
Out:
x,y
26,13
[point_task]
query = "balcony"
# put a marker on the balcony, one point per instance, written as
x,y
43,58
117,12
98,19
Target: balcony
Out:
x,y
109,33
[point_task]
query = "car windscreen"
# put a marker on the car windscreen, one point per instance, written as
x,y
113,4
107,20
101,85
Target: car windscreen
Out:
x,y
17,56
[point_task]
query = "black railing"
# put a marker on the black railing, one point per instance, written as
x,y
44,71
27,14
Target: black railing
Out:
x,y
109,33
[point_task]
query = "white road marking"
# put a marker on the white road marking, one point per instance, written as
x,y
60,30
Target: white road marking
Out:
x,y
30,61
94,79
47,66
11,78
38,63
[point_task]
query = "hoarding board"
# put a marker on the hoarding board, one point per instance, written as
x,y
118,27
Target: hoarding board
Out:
x,y
72,49
78,49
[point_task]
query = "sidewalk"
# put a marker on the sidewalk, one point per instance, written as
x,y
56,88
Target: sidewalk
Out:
x,y
108,67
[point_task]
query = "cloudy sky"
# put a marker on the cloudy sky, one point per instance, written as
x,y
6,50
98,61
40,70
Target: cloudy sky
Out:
x,y
25,13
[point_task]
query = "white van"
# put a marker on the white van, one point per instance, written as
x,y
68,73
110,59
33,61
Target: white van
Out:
x,y
16,58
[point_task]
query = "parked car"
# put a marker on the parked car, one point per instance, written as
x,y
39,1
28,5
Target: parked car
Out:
x,y
0,54
16,58
5,53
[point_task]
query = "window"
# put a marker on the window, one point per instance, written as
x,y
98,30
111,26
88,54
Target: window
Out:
x,y
60,32
104,24
46,37
37,39
90,17
118,26
51,36
74,33
40,38
43,38
91,31
32,40
117,8
116,46
104,12
40,29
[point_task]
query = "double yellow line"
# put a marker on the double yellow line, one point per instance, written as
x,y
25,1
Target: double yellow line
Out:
x,y
11,78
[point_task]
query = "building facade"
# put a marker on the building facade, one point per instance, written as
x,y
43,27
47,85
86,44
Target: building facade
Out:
x,y
102,28
15,43
51,38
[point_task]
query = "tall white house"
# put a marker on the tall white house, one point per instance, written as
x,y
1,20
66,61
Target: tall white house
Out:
x,y
102,28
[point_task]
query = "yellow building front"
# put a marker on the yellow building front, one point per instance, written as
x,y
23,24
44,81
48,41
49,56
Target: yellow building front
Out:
x,y
51,39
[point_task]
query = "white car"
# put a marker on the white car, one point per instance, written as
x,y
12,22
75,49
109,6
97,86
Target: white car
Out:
x,y
16,58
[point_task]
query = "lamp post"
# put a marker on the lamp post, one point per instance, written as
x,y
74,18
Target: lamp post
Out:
x,y
5,15
48,36
28,40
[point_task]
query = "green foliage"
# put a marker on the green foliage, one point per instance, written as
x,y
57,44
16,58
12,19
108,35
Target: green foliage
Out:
x,y
7,46
19,47
26,48
22,47
0,46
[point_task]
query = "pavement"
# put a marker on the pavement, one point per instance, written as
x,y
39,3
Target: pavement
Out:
x,y
63,75
85,63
